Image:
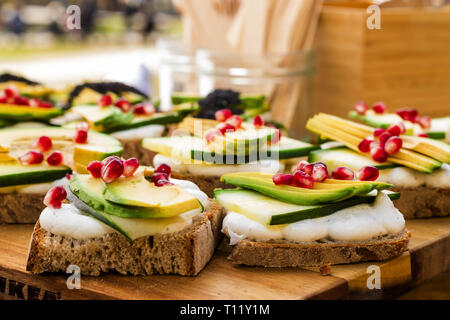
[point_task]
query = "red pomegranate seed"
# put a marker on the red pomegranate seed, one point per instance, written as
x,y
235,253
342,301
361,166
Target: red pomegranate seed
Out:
x,y
55,196
301,165
223,114
303,180
95,168
361,107
375,144
34,103
424,122
343,173
235,121
3,100
393,145
43,144
379,107
110,158
123,104
21,101
211,134
10,92
364,145
68,176
258,122
55,158
46,105
159,176
407,114
225,128
81,136
163,182
32,157
130,166
423,135
144,109
384,137
378,132
378,154
308,168
164,168
83,125
112,170
367,173
397,129
319,172
105,100
282,178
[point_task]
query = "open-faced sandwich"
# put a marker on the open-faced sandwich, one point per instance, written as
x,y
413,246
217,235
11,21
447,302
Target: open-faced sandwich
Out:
x,y
32,158
126,218
417,166
121,111
231,145
310,219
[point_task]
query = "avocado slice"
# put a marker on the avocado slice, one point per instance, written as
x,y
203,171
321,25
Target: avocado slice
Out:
x,y
101,118
25,113
269,211
90,190
167,201
14,174
342,156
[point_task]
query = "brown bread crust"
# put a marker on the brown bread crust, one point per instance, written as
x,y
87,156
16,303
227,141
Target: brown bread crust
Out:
x,y
185,252
316,254
20,207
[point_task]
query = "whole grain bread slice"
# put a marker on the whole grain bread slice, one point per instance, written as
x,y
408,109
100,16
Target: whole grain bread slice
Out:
x,y
185,252
317,253
20,207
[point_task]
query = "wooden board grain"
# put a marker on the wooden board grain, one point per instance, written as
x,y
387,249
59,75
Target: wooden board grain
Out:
x,y
427,256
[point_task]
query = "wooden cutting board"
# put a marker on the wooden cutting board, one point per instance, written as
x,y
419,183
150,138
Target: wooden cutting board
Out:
x,y
427,257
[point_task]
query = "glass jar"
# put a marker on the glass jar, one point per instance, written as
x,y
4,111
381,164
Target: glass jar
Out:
x,y
285,80
177,70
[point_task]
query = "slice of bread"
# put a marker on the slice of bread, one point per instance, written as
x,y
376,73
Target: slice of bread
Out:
x,y
20,207
317,253
423,202
185,252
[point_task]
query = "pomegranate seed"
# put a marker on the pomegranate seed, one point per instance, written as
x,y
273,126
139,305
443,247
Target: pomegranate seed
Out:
x,y
302,164
393,145
144,109
343,173
384,137
95,168
397,129
303,180
367,173
10,92
319,172
424,122
163,182
407,114
34,103
32,157
43,104
225,128
223,114
364,145
282,178
378,154
112,170
379,107
423,135
110,158
21,101
164,168
105,100
81,136
159,176
55,196
3,100
235,121
378,132
123,104
211,134
83,125
43,144
130,166
361,107
68,176
308,168
375,144
55,158
258,122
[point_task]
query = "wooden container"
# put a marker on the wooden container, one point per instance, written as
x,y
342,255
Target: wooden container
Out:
x,y
405,63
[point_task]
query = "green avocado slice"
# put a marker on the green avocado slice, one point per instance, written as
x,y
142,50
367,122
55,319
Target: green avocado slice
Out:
x,y
25,113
